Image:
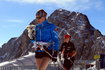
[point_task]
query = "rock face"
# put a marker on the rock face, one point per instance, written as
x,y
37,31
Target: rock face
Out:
x,y
88,40
15,47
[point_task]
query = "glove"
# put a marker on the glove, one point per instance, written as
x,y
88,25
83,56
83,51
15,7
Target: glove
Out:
x,y
54,59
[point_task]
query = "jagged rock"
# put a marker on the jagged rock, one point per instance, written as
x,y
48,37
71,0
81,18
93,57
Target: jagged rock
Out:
x,y
16,47
88,41
97,33
79,27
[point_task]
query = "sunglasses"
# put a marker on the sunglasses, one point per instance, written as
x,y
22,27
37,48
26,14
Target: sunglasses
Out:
x,y
38,17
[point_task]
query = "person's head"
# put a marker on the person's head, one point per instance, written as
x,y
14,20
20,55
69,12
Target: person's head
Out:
x,y
41,15
67,38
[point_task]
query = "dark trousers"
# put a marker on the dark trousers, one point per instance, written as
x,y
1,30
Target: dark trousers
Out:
x,y
68,63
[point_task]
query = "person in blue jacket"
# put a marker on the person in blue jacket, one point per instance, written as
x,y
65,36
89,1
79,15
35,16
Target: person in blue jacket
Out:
x,y
47,42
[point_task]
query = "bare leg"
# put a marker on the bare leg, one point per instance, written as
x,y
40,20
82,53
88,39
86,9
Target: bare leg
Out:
x,y
44,63
38,62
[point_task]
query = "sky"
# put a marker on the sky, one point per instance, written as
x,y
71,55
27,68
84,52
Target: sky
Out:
x,y
15,15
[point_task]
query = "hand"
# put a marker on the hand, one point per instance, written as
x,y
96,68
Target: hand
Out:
x,y
72,54
33,49
54,59
39,45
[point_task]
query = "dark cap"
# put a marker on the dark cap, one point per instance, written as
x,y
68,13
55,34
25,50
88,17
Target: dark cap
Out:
x,y
41,13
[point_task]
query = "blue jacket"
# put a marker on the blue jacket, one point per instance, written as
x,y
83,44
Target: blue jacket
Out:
x,y
46,32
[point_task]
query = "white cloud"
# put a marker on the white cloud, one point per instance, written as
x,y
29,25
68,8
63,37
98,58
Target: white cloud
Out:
x,y
11,23
14,20
42,1
67,4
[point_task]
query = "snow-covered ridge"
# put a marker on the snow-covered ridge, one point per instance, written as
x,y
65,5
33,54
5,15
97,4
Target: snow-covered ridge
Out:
x,y
22,61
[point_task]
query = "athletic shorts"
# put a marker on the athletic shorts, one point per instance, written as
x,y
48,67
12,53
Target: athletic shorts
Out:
x,y
42,54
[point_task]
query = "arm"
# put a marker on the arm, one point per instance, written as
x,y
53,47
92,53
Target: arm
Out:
x,y
55,39
62,49
73,53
